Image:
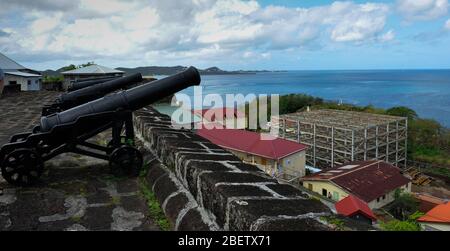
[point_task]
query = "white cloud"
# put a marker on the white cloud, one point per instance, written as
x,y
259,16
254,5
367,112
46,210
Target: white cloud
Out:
x,y
422,9
388,36
175,30
447,25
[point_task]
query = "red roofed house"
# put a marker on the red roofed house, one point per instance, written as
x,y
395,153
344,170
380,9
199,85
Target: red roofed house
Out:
x,y
353,207
222,116
277,157
437,218
427,201
372,181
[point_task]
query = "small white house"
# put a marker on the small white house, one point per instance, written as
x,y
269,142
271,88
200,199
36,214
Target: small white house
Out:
x,y
15,74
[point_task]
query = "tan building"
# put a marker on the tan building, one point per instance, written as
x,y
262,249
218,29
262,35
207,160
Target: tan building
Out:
x,y
374,182
278,157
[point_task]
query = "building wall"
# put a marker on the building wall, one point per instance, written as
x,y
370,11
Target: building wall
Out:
x,y
336,192
389,197
26,84
431,226
292,165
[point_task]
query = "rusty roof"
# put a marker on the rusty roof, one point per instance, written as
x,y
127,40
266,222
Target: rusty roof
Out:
x,y
367,180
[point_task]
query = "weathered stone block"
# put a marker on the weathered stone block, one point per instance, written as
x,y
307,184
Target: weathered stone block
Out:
x,y
307,224
193,221
243,213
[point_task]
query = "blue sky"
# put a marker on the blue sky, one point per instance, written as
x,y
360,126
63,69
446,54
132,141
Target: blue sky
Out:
x,y
230,34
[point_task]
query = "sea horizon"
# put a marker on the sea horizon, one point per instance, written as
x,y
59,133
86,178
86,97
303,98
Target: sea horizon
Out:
x,y
425,91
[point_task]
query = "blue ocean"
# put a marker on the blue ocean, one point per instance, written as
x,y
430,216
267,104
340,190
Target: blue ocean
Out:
x,y
425,91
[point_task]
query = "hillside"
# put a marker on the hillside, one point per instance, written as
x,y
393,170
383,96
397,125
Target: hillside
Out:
x,y
169,70
160,70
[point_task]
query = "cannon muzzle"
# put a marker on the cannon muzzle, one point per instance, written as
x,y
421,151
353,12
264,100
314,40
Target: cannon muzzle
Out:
x,y
81,96
132,99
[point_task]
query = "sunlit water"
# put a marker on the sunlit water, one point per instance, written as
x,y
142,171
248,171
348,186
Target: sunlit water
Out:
x,y
425,91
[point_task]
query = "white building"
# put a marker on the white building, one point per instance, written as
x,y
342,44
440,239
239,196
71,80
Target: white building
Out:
x,y
16,75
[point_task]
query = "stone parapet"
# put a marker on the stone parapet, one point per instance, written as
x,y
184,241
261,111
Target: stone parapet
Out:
x,y
204,187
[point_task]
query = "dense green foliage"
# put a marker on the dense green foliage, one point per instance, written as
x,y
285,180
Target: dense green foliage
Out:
x,y
404,205
408,222
396,225
294,102
53,79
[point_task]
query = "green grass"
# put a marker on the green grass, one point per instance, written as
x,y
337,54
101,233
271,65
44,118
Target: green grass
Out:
x,y
335,221
154,208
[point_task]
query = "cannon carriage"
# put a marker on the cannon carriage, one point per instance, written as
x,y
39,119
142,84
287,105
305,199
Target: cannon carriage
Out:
x,y
22,159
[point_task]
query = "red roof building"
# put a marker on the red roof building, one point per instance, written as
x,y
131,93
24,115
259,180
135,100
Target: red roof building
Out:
x,y
251,142
427,201
372,181
352,206
251,147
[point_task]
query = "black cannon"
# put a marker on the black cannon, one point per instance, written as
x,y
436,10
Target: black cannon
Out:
x,y
80,84
22,160
86,83
71,99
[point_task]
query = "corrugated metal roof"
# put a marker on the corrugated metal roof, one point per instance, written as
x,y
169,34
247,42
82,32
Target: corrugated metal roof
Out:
x,y
9,64
352,205
22,74
367,179
251,142
93,69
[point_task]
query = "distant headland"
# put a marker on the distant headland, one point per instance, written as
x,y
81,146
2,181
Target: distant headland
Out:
x,y
165,70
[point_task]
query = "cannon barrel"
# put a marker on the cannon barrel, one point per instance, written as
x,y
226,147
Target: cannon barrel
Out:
x,y
78,97
132,99
86,83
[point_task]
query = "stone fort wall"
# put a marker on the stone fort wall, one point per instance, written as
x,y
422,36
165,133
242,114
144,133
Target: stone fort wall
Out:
x,y
201,186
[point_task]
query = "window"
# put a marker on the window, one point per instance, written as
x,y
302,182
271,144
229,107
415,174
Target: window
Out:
x,y
378,199
310,186
324,192
29,82
384,197
13,82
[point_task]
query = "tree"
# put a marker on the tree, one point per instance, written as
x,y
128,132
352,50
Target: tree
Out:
x,y
67,68
404,205
86,64
402,111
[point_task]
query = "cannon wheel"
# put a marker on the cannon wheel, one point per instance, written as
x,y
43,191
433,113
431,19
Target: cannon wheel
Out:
x,y
126,160
22,167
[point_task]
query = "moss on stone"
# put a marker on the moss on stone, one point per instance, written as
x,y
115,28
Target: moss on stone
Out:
x,y
154,207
